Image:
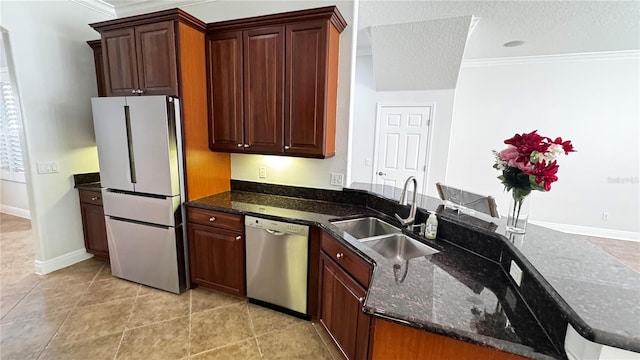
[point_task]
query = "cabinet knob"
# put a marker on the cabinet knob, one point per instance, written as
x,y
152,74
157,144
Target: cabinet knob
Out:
x,y
240,145
361,300
286,147
212,219
238,237
339,255
94,198
133,91
139,91
245,145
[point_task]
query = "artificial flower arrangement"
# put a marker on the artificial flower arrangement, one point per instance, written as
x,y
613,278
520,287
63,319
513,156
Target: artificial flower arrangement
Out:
x,y
529,163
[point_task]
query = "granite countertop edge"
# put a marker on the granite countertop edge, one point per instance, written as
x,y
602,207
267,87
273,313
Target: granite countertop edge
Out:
x,y
459,334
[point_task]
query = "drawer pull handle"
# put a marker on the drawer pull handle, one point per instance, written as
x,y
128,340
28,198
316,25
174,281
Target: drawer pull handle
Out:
x,y
339,255
212,219
94,198
238,237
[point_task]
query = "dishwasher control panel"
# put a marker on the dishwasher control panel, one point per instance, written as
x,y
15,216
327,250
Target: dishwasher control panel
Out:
x,y
278,226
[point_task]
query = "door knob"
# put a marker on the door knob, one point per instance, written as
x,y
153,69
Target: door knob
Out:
x,y
381,173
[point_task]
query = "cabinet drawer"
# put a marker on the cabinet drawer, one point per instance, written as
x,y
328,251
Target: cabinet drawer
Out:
x,y
90,197
215,218
351,262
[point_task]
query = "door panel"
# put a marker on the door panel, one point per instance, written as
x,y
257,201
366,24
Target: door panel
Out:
x,y
402,144
154,146
263,89
305,79
156,55
143,254
111,139
120,67
224,80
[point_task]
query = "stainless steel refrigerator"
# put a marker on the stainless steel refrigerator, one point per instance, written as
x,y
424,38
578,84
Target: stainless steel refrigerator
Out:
x,y
140,155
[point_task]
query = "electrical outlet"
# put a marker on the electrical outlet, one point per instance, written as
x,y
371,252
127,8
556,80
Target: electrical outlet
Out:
x,y
47,167
262,172
337,179
605,216
515,272
367,162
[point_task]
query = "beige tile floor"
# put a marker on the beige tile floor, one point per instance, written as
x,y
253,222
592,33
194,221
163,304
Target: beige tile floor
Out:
x,y
82,312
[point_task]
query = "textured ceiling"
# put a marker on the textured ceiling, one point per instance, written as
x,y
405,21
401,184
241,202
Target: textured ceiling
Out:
x,y
423,55
546,27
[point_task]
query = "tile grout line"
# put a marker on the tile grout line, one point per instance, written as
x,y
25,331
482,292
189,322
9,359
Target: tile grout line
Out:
x,y
124,330
253,330
74,307
326,345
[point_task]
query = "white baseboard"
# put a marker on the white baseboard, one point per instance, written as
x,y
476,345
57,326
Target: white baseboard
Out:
x,y
591,231
23,213
47,266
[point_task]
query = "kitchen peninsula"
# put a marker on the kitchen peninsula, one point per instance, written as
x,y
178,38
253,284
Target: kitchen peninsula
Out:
x,y
463,292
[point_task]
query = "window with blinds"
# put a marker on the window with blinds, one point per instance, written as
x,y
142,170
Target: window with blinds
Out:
x,y
11,164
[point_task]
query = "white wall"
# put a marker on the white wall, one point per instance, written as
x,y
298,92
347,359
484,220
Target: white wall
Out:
x,y
366,99
592,100
288,170
13,198
55,73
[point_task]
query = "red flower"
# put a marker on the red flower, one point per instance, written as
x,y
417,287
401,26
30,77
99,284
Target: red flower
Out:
x,y
566,145
544,173
528,143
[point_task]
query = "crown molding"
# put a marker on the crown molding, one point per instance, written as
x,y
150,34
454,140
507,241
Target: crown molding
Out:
x,y
142,6
98,6
523,60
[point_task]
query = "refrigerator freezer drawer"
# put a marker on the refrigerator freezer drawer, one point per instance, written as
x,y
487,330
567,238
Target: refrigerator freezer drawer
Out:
x,y
154,210
144,254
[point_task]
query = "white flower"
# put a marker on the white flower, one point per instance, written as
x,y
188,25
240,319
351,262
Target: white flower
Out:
x,y
553,152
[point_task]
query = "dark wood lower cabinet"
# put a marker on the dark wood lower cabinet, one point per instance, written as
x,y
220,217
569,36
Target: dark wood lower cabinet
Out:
x,y
93,224
341,310
216,259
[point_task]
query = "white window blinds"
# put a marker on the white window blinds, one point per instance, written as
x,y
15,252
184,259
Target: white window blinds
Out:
x,y
11,165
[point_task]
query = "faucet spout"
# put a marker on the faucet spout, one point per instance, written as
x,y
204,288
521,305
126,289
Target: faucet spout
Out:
x,y
403,201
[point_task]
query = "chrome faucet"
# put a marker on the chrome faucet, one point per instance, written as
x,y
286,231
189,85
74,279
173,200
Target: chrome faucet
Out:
x,y
403,201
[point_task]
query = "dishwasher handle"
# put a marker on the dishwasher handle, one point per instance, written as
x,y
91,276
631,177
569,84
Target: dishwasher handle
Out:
x,y
273,232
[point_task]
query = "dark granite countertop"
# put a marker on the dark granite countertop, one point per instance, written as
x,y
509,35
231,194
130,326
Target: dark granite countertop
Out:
x,y
587,288
87,181
453,293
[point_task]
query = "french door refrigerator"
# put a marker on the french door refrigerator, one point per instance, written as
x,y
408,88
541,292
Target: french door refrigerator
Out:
x,y
140,155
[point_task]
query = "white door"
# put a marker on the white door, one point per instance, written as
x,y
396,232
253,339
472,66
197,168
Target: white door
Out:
x,y
402,144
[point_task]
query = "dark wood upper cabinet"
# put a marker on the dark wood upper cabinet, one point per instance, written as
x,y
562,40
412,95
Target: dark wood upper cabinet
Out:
x,y
119,60
156,58
96,46
224,64
289,69
263,89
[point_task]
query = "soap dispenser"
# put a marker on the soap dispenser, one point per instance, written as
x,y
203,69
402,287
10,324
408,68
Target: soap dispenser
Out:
x,y
432,227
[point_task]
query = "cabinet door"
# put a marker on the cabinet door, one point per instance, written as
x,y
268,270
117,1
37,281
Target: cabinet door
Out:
x,y
216,259
120,68
263,89
224,83
156,58
305,88
93,227
341,310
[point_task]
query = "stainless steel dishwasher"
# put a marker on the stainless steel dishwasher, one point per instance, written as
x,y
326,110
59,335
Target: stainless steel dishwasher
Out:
x,y
277,256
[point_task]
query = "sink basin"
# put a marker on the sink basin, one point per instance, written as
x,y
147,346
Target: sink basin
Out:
x,y
362,228
399,247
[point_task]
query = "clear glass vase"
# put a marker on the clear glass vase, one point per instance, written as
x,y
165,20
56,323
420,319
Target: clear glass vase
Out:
x,y
518,215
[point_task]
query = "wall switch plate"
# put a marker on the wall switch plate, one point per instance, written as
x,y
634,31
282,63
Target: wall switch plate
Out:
x,y
262,172
605,216
47,167
515,272
337,179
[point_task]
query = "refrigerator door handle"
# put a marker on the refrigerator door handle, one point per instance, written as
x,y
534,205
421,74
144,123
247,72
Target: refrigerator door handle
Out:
x,y
132,161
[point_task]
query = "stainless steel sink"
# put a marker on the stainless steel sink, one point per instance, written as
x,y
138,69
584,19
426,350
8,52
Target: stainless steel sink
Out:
x,y
399,247
367,227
